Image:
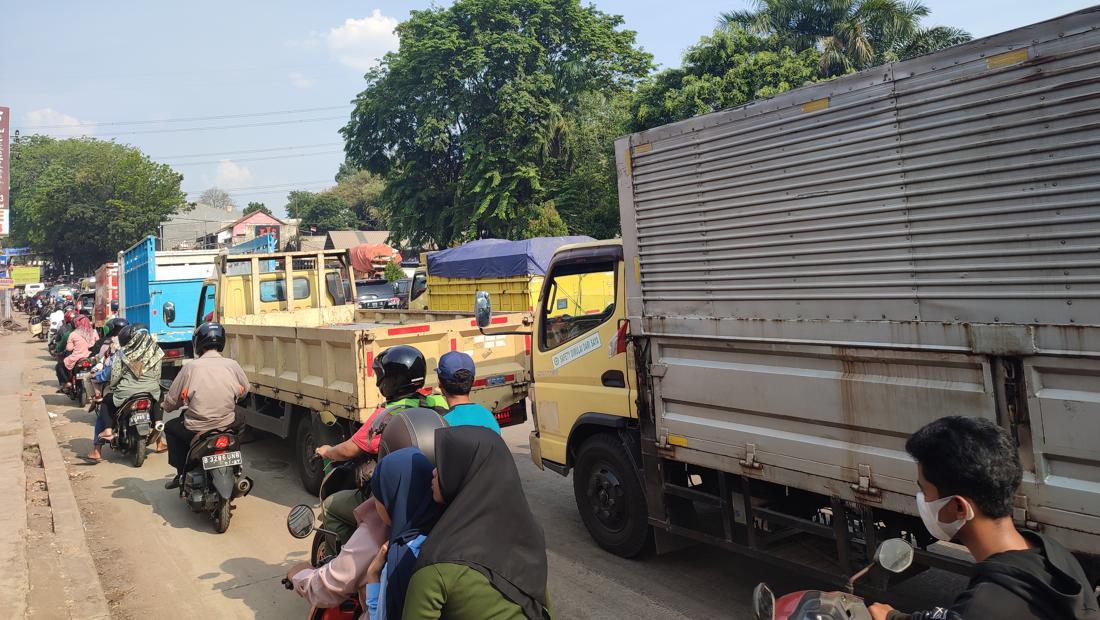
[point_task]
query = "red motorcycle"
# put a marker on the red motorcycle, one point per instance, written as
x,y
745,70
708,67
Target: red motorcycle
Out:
x,y
894,555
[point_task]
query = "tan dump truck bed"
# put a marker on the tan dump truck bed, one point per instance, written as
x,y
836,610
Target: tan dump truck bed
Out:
x,y
320,358
822,273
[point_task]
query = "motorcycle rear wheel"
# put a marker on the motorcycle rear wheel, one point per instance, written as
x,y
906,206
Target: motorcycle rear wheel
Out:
x,y
222,514
139,451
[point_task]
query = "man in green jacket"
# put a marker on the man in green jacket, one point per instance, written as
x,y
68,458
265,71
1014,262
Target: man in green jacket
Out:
x,y
399,373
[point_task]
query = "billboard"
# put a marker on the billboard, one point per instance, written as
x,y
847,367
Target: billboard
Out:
x,y
5,124
268,229
29,274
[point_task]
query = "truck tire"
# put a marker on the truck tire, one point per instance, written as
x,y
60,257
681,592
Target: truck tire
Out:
x,y
311,468
610,497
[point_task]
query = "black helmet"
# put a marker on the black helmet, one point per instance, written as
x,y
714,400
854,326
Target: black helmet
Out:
x,y
129,331
208,336
115,325
411,428
399,371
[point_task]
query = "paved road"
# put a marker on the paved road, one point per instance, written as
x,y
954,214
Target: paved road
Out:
x,y
155,556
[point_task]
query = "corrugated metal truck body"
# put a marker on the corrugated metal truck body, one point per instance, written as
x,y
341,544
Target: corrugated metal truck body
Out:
x,y
820,274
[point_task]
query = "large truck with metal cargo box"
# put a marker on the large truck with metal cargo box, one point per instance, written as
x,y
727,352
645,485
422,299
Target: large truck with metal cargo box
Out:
x,y
160,289
309,352
805,281
106,294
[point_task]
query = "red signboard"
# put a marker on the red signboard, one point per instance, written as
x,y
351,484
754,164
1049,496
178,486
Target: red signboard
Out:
x,y
5,124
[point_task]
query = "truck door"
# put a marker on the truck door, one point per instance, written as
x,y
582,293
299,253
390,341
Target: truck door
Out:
x,y
578,369
205,311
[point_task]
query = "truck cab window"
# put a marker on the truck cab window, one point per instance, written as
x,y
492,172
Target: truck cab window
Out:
x,y
579,298
275,290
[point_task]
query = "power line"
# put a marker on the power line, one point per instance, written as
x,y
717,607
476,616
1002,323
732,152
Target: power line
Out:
x,y
216,161
215,128
291,185
270,150
188,119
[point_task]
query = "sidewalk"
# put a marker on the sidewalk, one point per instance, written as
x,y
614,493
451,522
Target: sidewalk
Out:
x,y
47,569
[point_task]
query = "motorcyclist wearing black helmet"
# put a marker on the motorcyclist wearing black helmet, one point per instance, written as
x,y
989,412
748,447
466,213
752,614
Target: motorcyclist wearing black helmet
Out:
x,y
210,387
111,329
399,374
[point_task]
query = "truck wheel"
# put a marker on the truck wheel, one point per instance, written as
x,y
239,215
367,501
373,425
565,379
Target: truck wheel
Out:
x,y
311,468
610,496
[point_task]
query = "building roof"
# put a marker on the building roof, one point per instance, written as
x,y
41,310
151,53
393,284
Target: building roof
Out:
x,y
346,239
184,227
313,243
244,218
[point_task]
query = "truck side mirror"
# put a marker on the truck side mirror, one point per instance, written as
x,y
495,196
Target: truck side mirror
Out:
x,y
483,309
169,312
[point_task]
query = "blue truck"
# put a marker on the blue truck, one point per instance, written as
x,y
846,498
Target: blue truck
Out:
x,y
161,289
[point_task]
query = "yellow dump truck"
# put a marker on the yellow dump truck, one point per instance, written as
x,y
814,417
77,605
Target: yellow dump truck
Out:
x,y
309,354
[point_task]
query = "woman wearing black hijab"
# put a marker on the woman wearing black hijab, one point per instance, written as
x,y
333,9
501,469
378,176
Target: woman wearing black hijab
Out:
x,y
486,556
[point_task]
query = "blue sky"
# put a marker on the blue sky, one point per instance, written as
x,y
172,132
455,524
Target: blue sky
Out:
x,y
121,69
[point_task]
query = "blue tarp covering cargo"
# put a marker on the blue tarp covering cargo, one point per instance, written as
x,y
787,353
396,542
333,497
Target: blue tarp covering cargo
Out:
x,y
498,258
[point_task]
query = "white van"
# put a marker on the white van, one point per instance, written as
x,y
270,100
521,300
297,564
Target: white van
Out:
x,y
32,289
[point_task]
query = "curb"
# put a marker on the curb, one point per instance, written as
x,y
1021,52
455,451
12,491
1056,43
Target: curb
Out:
x,y
84,593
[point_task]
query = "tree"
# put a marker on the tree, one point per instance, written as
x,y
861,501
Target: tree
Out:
x,y
361,191
323,210
394,272
729,68
545,222
850,34
461,120
81,201
217,198
257,206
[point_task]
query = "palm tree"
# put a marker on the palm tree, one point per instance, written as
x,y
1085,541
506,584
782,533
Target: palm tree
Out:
x,y
850,34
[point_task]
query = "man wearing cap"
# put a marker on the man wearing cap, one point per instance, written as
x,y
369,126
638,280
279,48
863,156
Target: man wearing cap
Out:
x,y
456,378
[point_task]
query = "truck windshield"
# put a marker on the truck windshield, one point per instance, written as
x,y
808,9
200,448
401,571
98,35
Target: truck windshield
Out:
x,y
275,290
579,299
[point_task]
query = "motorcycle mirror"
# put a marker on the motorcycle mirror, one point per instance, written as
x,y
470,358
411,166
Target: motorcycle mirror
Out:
x,y
763,603
483,309
300,521
895,555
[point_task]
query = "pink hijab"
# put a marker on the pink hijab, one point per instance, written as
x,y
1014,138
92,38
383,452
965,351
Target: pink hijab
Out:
x,y
84,328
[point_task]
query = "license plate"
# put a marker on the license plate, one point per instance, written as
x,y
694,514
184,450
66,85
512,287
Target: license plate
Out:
x,y
139,417
226,459
494,381
82,375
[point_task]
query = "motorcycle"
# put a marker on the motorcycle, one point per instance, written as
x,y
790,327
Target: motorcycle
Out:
x,y
894,555
35,327
299,522
76,388
134,426
213,477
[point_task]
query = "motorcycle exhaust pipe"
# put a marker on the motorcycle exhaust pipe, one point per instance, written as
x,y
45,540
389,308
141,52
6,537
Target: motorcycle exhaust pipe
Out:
x,y
244,485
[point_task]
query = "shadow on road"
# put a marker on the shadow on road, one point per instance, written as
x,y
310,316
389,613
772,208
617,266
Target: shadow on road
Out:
x,y
258,585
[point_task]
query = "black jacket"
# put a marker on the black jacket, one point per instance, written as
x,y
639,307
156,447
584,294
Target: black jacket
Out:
x,y
1045,582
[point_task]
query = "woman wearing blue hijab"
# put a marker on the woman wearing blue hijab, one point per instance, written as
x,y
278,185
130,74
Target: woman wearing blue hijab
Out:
x,y
402,488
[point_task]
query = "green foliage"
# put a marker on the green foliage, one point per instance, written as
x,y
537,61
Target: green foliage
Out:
x,y
361,191
462,121
325,211
545,222
728,68
581,176
852,35
257,206
394,272
84,200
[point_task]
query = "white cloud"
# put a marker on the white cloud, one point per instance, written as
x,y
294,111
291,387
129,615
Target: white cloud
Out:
x,y
231,175
361,43
55,123
299,80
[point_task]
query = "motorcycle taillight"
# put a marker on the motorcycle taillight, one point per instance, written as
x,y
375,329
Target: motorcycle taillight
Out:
x,y
221,443
142,404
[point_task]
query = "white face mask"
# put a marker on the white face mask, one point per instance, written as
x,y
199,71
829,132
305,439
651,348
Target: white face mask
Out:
x,y
930,515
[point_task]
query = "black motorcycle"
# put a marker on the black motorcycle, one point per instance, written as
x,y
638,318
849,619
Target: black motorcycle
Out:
x,y
79,377
214,475
133,426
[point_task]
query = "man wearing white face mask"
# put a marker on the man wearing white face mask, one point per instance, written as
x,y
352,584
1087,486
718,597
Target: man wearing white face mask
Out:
x,y
968,470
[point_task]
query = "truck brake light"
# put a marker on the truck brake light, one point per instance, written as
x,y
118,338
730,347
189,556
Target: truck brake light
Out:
x,y
510,416
173,353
